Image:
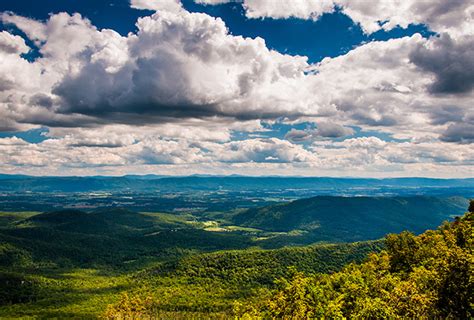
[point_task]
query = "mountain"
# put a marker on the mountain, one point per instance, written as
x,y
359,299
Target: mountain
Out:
x,y
329,218
151,183
110,237
264,266
117,263
98,222
13,176
416,277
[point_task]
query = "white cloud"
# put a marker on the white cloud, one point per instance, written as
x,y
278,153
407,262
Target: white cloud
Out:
x,y
377,86
305,9
262,150
323,130
212,2
12,44
173,94
172,68
157,5
366,156
374,154
454,16
35,30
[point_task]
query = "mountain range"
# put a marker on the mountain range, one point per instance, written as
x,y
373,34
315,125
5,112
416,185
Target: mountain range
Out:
x,y
137,183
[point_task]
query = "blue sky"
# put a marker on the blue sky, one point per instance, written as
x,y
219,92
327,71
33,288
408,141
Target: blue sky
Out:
x,y
375,83
332,35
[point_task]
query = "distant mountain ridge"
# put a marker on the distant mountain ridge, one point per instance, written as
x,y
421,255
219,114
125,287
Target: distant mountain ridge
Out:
x,y
330,218
14,183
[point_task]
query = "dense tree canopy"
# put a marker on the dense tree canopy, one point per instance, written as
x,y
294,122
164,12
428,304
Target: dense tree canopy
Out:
x,y
425,276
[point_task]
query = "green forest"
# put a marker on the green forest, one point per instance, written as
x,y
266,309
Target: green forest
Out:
x,y
117,264
424,277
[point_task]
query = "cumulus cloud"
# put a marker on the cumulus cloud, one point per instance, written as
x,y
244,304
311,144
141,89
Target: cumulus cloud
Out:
x,y
323,130
296,135
212,2
459,132
305,9
377,86
157,5
450,61
332,130
171,69
363,153
35,30
12,44
386,14
263,150
175,92
372,16
359,156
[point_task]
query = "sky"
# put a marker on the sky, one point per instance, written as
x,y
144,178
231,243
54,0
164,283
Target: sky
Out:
x,y
252,87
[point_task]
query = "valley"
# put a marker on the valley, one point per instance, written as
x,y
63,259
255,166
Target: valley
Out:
x,y
201,255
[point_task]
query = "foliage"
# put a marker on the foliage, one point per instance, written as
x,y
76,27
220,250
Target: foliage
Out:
x,y
159,267
261,267
59,293
423,277
348,219
114,238
211,285
129,308
14,257
17,288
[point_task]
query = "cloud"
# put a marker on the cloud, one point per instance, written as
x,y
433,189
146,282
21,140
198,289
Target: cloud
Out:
x,y
262,150
377,86
212,2
447,16
183,66
459,132
35,30
323,130
305,9
157,5
366,156
13,141
439,15
295,135
450,61
332,130
173,68
366,152
12,44
178,91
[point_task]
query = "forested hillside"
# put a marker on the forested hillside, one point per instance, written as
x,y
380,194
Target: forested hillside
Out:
x,y
193,286
116,263
429,276
112,238
418,277
332,219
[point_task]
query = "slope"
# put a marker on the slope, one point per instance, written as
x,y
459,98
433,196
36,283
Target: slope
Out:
x,y
353,218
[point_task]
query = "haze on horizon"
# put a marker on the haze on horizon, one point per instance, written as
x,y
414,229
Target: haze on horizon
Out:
x,y
254,87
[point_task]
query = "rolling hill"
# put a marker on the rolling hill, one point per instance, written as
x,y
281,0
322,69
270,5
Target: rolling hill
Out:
x,y
110,263
109,237
348,219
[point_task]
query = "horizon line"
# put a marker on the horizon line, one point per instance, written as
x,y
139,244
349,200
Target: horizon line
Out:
x,y
160,176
